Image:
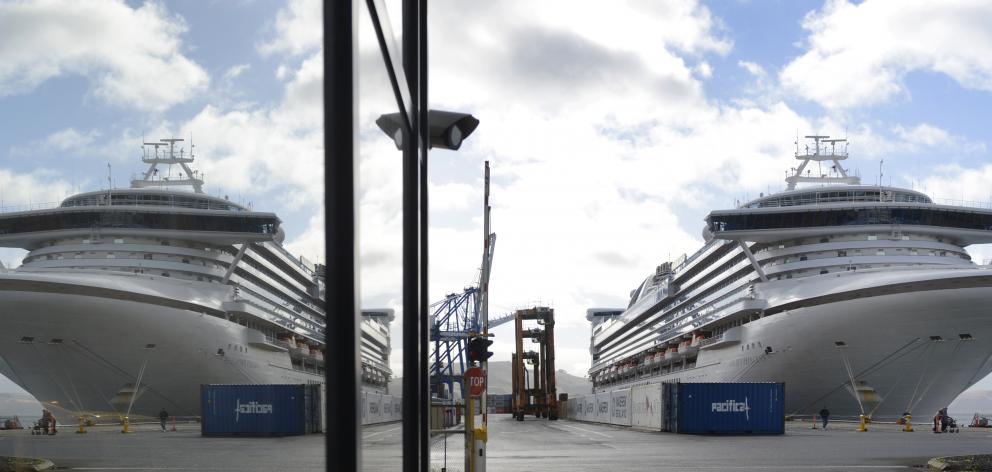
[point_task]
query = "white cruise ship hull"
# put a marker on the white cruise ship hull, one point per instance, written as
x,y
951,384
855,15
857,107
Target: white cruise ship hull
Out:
x,y
890,343
80,350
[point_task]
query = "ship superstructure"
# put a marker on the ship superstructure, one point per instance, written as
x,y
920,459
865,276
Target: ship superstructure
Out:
x,y
129,299
851,294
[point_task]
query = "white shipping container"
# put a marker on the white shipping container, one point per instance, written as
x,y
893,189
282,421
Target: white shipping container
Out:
x,y
387,408
375,408
365,408
323,407
589,413
646,407
602,407
620,407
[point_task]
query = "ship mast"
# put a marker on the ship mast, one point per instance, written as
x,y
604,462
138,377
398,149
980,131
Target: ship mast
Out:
x,y
824,149
168,155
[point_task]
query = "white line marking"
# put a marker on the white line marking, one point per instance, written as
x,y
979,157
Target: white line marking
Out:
x,y
366,436
150,468
588,431
793,467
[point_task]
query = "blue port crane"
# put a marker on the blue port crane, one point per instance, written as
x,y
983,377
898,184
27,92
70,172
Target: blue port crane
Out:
x,y
452,321
458,316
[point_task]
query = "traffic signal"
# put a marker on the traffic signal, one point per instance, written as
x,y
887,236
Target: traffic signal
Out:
x,y
478,349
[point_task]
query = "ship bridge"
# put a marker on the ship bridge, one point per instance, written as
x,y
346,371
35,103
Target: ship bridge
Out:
x,y
32,228
769,224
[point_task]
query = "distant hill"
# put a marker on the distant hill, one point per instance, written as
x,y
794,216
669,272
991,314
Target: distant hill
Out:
x,y
972,401
19,404
500,381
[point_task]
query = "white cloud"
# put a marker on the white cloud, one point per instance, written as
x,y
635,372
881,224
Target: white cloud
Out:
x,y
298,29
132,56
858,54
62,142
703,70
605,153
41,188
310,243
904,144
753,68
236,71
69,138
37,189
960,185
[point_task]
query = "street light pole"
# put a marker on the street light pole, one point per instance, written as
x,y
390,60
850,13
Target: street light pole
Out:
x,y
423,133
343,441
416,452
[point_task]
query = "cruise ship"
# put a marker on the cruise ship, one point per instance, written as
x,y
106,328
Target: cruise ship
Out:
x,y
129,299
861,298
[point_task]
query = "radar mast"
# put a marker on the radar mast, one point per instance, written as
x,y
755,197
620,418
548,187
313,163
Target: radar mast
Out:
x,y
824,149
169,154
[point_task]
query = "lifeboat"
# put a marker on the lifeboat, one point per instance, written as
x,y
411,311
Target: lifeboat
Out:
x,y
316,353
686,347
698,338
672,352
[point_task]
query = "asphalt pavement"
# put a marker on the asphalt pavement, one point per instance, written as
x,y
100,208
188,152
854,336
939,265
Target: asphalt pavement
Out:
x,y
531,445
560,446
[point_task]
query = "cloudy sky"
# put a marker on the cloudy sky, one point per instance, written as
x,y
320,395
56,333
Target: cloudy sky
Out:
x,y
612,127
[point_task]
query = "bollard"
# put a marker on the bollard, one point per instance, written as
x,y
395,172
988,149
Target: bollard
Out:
x,y
814,421
909,427
82,426
126,428
480,449
861,426
173,423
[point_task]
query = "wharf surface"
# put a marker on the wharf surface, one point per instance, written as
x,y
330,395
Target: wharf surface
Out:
x,y
150,448
560,446
531,445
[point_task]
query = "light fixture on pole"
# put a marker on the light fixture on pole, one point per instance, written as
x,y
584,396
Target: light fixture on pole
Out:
x,y
448,129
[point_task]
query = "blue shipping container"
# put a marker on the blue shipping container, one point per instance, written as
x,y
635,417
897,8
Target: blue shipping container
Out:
x,y
257,410
728,408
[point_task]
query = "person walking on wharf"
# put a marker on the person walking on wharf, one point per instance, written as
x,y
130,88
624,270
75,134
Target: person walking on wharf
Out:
x,y
163,416
825,416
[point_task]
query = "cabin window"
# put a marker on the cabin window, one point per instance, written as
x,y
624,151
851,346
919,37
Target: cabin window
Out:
x,y
802,258
148,256
872,237
165,274
841,253
118,241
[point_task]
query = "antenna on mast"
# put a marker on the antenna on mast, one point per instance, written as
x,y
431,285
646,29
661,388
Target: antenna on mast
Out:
x,y
820,153
170,156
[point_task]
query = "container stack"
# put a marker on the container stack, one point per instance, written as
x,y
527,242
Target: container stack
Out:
x,y
261,410
380,408
690,408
